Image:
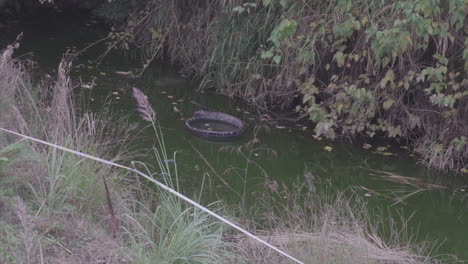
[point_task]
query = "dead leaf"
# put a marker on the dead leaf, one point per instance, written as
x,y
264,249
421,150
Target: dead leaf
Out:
x,y
381,149
366,146
328,148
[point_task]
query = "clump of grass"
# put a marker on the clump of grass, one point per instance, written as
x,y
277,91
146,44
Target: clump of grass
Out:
x,y
327,227
171,231
55,188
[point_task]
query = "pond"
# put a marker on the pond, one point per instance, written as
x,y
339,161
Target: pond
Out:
x,y
434,202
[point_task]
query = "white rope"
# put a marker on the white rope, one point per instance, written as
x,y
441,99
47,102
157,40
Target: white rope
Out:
x,y
161,185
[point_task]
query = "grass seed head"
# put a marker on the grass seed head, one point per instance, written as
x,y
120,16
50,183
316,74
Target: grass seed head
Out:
x,y
143,106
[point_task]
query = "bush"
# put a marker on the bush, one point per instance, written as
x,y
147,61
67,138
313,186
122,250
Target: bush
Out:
x,y
393,68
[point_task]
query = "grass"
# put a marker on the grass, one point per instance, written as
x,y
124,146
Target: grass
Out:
x,y
327,227
54,207
174,233
56,197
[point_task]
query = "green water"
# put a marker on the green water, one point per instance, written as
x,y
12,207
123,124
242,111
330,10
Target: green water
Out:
x,y
283,153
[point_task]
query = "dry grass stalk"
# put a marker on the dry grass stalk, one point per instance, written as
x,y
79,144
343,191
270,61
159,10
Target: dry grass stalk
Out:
x,y
27,233
410,181
419,185
144,106
22,124
47,111
10,75
371,247
114,224
61,114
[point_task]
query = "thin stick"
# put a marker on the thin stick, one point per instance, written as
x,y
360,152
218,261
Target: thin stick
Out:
x,y
92,44
114,224
138,182
209,165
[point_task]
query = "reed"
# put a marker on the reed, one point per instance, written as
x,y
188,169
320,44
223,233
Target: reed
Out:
x,y
328,226
62,196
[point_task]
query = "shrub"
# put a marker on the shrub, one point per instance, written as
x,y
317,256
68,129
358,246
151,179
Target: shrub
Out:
x,y
393,68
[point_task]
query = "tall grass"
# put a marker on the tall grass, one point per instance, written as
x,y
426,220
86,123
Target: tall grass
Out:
x,y
55,186
62,207
328,226
172,231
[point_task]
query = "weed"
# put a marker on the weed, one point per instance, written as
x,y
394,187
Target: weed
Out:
x,y
326,227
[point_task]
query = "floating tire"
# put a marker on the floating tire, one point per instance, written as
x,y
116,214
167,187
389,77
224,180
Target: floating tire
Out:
x,y
236,125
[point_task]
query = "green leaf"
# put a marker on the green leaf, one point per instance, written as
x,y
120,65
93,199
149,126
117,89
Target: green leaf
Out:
x,y
277,59
306,98
389,77
250,4
347,28
266,2
285,29
413,121
345,5
266,54
238,9
339,57
387,104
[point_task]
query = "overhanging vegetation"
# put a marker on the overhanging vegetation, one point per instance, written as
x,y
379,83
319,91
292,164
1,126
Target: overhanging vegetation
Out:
x,y
392,68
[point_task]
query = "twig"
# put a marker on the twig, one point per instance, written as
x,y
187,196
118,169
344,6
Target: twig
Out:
x,y
202,106
114,225
138,181
209,165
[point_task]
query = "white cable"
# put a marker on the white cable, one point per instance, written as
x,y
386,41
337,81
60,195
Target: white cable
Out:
x,y
161,185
